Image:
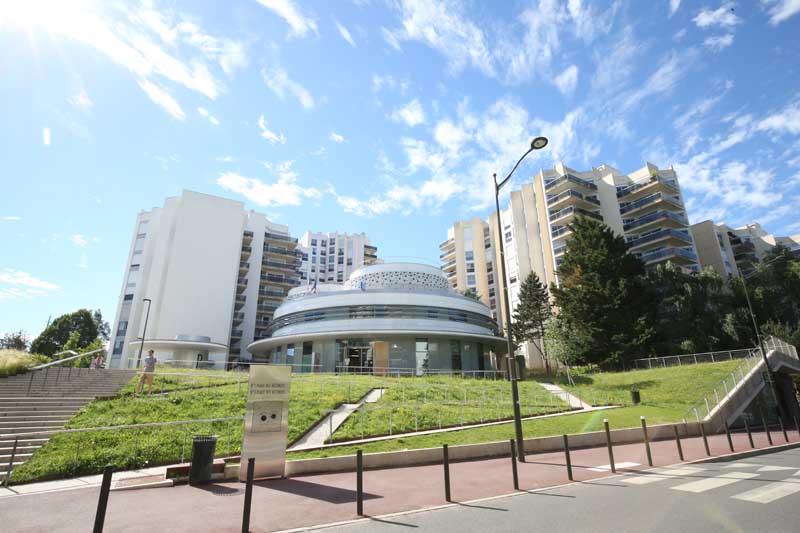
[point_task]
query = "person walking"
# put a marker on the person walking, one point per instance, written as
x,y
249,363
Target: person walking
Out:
x,y
147,373
97,362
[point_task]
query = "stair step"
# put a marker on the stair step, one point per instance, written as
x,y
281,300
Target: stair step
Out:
x,y
19,455
6,432
37,412
27,418
20,449
29,423
24,441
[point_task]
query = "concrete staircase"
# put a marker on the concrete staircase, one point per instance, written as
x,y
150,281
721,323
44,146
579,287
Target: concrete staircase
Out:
x,y
45,400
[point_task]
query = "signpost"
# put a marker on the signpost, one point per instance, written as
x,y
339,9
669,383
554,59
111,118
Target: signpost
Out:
x,y
266,421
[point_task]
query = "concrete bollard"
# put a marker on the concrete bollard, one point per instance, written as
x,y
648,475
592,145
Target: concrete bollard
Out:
x,y
646,441
360,483
566,454
610,449
678,442
705,439
248,495
514,474
102,503
446,463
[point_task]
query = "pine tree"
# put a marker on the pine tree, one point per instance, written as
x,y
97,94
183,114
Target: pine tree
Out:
x,y
605,311
533,310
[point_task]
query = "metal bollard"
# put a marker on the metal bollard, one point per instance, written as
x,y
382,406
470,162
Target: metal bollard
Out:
x,y
705,439
764,422
749,434
102,503
514,474
797,425
7,480
248,495
646,441
360,483
728,434
446,463
566,454
678,442
783,429
610,450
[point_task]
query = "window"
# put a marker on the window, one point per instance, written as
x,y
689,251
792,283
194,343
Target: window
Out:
x,y
122,328
512,279
349,261
455,355
470,267
489,267
133,275
471,279
332,242
313,251
313,242
324,243
508,236
322,260
469,256
314,260
490,278
331,250
118,344
340,260
421,353
128,297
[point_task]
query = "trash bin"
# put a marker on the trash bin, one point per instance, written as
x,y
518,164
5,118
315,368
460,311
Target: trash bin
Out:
x,y
203,448
636,397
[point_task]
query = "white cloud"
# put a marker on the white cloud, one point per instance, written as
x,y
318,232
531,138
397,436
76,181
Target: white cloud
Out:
x,y
673,6
211,118
724,17
567,80
301,24
670,70
285,191
81,100
345,33
412,113
10,218
780,10
79,240
271,136
230,54
719,42
391,39
226,159
19,278
46,136
450,136
202,111
161,97
335,137
785,121
278,81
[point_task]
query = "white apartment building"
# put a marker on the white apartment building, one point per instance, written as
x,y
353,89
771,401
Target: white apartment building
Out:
x,y
214,274
468,260
646,207
332,257
736,251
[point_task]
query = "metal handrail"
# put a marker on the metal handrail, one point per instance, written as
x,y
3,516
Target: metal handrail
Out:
x,y
59,361
693,357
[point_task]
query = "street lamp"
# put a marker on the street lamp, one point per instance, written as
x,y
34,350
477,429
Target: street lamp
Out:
x,y
144,331
770,374
537,144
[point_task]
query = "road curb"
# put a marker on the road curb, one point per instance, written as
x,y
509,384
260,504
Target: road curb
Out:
x,y
746,454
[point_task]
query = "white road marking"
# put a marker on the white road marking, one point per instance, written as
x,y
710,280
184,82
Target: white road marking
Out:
x,y
771,492
774,468
606,468
742,465
703,485
661,474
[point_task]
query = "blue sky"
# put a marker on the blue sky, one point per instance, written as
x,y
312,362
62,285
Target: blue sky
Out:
x,y
387,117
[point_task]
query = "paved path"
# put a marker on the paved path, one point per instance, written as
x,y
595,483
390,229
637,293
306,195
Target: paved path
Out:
x,y
80,482
571,399
755,494
311,500
317,435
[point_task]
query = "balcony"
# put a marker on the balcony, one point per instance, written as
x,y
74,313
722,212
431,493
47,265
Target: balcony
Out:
x,y
247,236
648,186
449,265
236,333
651,202
271,293
279,238
665,218
568,181
571,197
559,250
662,237
370,256
446,243
679,256
283,267
369,249
571,212
244,266
246,252
448,253
238,316
560,231
280,280
278,250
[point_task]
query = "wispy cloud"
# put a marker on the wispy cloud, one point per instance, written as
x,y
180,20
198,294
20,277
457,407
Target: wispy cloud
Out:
x,y
335,137
300,24
22,285
163,98
279,82
673,6
79,240
567,80
81,100
780,10
719,42
271,136
724,17
345,33
211,118
46,136
10,218
411,114
285,191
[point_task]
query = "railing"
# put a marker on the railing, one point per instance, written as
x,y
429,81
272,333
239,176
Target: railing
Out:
x,y
449,264
277,264
277,237
647,200
576,210
64,360
280,279
244,264
414,372
570,193
559,230
667,252
693,358
651,217
644,183
569,177
247,249
666,232
559,249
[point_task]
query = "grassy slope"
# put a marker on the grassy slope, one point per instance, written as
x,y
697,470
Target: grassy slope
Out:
x,y
13,362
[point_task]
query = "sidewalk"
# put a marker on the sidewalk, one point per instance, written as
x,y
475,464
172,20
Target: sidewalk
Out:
x,y
312,500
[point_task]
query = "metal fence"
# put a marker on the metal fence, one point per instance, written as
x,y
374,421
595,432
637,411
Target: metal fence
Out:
x,y
693,359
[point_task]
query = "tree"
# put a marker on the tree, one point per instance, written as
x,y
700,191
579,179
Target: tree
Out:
x,y
73,344
605,308
533,310
56,335
16,340
103,329
469,293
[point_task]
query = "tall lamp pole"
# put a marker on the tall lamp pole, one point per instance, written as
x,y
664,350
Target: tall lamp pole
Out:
x,y
144,331
537,144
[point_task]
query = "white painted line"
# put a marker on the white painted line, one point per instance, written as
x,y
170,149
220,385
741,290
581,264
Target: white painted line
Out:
x,y
774,468
741,465
770,493
606,468
703,485
661,474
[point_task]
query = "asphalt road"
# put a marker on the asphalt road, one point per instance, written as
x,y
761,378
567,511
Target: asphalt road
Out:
x,y
759,493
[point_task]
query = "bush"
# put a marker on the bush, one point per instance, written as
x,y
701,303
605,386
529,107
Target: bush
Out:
x,y
14,362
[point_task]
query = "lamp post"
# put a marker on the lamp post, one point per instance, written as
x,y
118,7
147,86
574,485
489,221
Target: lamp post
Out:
x,y
770,374
144,331
537,144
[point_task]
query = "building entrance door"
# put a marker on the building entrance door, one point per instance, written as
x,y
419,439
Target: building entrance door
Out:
x,y
359,359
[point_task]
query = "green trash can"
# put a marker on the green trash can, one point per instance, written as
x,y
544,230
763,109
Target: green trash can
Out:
x,y
203,449
636,397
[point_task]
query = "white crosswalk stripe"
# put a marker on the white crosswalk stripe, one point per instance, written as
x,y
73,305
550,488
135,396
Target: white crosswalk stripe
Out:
x,y
742,465
770,492
722,480
661,474
769,468
606,468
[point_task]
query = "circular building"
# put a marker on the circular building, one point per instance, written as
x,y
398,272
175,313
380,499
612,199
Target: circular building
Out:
x,y
386,316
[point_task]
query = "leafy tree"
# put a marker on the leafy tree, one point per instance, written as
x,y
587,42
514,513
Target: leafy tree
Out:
x,y
73,343
469,293
531,314
55,336
605,307
16,340
103,329
775,287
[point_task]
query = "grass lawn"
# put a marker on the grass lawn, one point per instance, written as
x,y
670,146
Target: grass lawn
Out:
x,y
14,362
